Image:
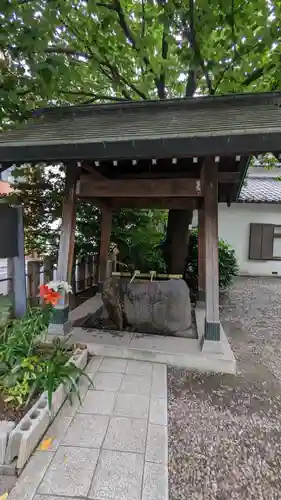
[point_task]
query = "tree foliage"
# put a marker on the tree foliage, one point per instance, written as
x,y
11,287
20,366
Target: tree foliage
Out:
x,y
61,51
80,51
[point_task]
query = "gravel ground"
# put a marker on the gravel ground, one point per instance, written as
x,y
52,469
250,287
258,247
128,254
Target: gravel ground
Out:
x,y
224,430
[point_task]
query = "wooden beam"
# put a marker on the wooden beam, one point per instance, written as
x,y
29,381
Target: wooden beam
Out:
x,y
94,174
161,203
210,179
106,223
143,188
201,253
224,177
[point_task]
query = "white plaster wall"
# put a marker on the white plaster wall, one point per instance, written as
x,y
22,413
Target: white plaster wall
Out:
x,y
234,227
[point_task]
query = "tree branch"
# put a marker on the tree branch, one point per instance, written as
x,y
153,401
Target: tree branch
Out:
x,y
130,37
115,76
165,48
190,34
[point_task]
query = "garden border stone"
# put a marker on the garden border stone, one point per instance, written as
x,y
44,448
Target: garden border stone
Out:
x,y
23,439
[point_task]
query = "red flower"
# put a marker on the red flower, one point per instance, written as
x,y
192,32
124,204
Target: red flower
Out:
x,y
49,295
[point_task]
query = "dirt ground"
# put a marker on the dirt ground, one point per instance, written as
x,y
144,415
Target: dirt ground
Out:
x,y
224,430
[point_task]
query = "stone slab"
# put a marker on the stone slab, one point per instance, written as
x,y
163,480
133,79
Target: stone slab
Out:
x,y
159,343
139,368
136,384
31,477
101,337
93,365
158,411
157,444
70,473
107,381
44,497
118,477
56,432
131,405
7,483
86,431
155,482
159,381
126,434
112,365
98,402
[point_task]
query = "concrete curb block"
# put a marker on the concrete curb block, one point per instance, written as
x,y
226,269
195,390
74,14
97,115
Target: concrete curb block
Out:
x,y
5,430
25,436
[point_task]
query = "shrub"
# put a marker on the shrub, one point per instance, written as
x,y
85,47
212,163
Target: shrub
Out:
x,y
28,368
228,266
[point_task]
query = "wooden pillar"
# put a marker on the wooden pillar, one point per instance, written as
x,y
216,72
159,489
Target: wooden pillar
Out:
x,y
201,253
212,321
60,321
106,224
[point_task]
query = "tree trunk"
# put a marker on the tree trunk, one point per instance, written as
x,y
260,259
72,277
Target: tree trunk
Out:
x,y
177,238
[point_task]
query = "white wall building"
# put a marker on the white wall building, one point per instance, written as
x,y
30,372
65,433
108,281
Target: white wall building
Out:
x,y
252,226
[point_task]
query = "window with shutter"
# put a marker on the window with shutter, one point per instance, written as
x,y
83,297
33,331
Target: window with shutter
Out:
x,y
261,241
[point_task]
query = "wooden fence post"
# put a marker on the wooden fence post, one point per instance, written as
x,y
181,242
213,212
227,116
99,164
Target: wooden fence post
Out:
x,y
81,275
48,269
89,271
33,273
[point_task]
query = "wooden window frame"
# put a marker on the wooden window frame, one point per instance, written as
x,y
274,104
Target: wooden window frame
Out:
x,y
261,241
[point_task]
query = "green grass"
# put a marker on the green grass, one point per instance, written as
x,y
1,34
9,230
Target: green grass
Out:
x,y
5,305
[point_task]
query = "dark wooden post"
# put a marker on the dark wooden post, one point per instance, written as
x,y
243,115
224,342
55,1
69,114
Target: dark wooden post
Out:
x,y
212,321
89,271
81,275
33,273
60,322
48,269
106,223
201,252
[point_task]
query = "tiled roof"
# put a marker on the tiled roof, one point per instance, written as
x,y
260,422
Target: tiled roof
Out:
x,y
261,190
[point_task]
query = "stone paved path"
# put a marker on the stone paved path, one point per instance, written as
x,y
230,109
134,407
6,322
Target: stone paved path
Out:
x,y
112,447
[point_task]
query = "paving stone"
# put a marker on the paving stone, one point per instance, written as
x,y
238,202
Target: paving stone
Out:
x,y
131,405
56,432
86,431
136,384
112,365
6,484
107,381
158,411
155,482
126,434
44,497
31,477
157,444
70,472
139,367
98,402
93,366
159,381
118,476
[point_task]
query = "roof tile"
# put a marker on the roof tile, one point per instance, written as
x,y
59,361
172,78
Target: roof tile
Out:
x,y
261,190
